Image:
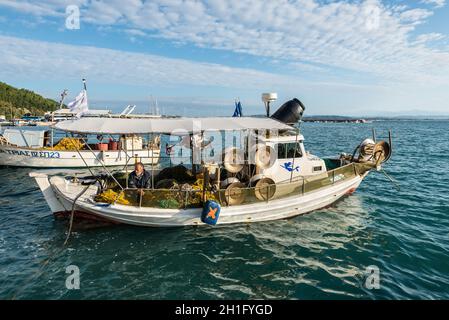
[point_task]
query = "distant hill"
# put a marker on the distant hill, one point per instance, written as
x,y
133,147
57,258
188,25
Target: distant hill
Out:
x,y
17,102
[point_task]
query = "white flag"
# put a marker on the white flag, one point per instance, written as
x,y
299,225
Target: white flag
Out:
x,y
79,105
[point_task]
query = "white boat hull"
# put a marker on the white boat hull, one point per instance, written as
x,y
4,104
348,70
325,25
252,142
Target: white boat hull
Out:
x,y
60,195
35,158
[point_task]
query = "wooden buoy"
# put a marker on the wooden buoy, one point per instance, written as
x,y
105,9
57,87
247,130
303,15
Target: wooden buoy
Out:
x,y
264,189
235,194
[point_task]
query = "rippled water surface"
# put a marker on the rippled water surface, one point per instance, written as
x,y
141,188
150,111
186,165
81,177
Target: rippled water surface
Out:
x,y
319,255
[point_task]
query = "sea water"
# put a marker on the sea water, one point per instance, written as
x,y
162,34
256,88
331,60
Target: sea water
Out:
x,y
400,237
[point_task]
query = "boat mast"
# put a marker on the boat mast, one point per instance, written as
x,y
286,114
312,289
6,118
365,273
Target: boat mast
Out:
x,y
63,95
61,103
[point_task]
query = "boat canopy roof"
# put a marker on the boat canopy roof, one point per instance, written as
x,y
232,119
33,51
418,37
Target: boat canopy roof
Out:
x,y
168,125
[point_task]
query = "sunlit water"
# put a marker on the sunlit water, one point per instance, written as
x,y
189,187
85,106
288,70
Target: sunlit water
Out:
x,y
319,255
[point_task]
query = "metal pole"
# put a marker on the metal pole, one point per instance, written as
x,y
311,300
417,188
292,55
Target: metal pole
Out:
x,y
191,155
205,177
79,153
268,192
61,102
126,162
268,109
102,164
152,162
333,176
294,155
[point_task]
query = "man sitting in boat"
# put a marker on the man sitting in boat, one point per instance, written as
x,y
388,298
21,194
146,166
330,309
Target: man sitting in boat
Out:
x,y
139,178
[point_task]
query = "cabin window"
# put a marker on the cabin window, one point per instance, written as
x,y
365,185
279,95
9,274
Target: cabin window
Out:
x,y
289,150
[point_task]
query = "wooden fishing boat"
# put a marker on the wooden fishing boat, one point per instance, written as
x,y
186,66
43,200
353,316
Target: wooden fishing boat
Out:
x,y
264,174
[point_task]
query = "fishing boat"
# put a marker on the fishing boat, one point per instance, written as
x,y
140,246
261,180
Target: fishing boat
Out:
x,y
43,148
254,169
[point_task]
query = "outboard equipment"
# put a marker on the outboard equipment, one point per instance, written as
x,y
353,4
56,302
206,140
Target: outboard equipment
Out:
x,y
290,112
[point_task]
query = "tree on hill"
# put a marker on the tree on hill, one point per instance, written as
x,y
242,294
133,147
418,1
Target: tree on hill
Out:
x,y
16,102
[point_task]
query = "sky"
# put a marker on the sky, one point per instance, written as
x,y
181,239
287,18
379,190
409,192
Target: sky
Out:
x,y
368,57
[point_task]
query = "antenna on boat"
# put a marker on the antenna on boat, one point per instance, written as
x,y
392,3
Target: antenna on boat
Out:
x,y
157,108
84,83
267,98
154,106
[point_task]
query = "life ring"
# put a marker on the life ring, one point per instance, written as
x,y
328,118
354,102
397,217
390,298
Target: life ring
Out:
x,y
235,194
264,157
264,188
233,159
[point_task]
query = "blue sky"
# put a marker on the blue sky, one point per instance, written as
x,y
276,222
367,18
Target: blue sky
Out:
x,y
339,57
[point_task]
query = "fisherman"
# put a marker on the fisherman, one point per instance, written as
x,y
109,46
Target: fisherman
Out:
x,y
139,179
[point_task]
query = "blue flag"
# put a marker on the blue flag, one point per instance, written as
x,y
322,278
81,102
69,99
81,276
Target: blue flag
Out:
x,y
238,109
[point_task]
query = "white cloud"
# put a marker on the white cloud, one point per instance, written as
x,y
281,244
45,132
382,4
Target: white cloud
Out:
x,y
436,3
24,59
135,32
368,36
428,37
48,8
416,16
45,60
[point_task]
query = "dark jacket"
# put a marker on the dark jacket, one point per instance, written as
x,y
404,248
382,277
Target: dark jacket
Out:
x,y
142,182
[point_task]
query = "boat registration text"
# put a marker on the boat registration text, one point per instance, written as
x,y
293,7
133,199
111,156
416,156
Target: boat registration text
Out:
x,y
32,154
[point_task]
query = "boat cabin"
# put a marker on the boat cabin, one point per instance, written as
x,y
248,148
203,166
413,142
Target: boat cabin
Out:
x,y
292,160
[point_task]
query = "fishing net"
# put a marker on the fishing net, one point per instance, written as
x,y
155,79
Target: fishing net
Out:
x,y
68,144
110,196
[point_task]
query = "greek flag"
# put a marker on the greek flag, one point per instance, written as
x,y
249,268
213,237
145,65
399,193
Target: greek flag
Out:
x,y
79,106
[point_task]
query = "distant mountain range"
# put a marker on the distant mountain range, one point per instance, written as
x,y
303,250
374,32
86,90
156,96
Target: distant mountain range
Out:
x,y
17,102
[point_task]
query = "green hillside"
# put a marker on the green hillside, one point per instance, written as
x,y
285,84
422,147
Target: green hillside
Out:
x,y
17,102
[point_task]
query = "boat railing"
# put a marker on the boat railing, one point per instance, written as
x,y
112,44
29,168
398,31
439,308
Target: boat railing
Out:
x,y
184,197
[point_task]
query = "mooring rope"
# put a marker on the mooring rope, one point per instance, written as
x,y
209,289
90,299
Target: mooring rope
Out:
x,y
57,252
393,181
73,213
